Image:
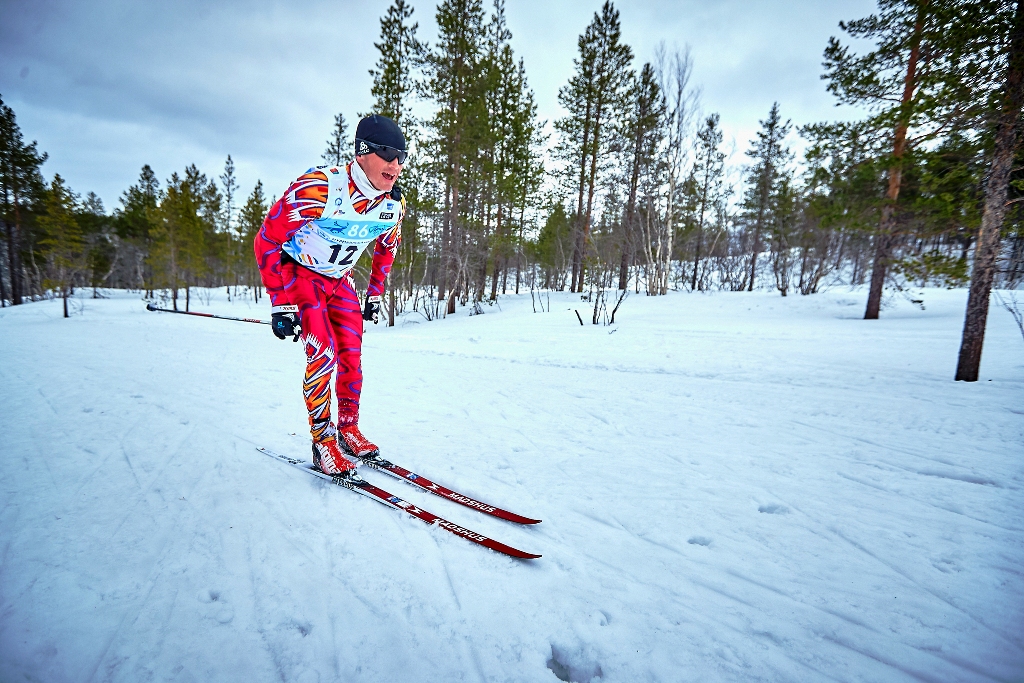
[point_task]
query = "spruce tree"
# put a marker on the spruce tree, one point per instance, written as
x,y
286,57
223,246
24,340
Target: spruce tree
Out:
x,y
226,221
339,147
770,156
705,187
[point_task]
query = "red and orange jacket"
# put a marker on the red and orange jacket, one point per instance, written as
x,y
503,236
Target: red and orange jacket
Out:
x,y
324,222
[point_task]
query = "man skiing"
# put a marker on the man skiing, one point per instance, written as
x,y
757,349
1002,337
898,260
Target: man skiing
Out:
x,y
306,249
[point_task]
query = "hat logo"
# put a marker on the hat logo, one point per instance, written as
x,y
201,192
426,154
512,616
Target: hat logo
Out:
x,y
363,149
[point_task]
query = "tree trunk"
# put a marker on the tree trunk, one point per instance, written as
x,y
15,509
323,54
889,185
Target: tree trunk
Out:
x,y
987,245
627,228
13,256
700,223
585,237
577,252
885,240
452,267
390,291
757,232
3,289
446,229
669,228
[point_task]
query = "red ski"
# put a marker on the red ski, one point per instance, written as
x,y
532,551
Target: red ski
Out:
x,y
367,489
422,482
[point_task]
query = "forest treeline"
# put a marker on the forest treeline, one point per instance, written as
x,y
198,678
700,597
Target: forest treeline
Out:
x,y
632,191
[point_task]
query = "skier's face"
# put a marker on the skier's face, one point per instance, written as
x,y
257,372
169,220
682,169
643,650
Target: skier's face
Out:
x,y
382,174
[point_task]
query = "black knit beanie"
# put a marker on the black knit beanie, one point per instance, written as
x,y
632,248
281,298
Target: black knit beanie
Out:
x,y
380,130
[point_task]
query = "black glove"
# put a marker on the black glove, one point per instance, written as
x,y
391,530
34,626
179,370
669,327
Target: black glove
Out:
x,y
284,321
371,310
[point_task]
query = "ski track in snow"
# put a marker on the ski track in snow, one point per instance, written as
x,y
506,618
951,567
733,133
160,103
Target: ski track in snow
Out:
x,y
734,487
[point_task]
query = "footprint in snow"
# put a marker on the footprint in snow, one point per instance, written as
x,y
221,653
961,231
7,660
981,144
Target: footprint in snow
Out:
x,y
303,627
700,540
774,509
225,614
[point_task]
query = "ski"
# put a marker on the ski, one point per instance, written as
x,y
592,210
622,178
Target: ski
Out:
x,y
367,489
422,482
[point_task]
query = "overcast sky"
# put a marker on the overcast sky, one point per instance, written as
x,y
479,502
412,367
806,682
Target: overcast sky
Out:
x,y
109,85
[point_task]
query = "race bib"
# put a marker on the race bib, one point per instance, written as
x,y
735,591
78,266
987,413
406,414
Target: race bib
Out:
x,y
331,245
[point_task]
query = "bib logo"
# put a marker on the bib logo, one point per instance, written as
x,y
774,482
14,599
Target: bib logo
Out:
x,y
387,216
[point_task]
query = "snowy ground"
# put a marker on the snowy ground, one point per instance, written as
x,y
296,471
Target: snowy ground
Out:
x,y
734,487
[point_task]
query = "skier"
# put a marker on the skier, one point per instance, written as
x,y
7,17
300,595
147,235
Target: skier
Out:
x,y
306,249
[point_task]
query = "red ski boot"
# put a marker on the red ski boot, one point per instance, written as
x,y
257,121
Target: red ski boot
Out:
x,y
328,458
356,444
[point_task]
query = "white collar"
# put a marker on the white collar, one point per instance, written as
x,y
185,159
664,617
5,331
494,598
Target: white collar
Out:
x,y
363,183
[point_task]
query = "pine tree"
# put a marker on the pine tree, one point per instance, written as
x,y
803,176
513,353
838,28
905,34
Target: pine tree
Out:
x,y
913,100
21,186
453,70
186,224
339,146
842,184
706,187
135,223
594,96
996,28
642,132
770,157
401,53
61,245
509,156
101,243
783,229
226,220
250,220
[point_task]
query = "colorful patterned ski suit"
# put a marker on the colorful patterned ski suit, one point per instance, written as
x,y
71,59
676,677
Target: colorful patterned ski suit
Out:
x,y
305,250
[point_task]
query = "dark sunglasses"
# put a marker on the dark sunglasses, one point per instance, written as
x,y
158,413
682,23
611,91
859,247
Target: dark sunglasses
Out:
x,y
383,151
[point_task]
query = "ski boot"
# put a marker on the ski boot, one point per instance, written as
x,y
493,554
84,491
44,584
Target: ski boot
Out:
x,y
328,458
355,444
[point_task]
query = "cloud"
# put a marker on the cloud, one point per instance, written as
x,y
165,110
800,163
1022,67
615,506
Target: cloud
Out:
x,y
109,85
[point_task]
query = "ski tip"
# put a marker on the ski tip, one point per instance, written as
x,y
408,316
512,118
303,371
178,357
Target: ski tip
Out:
x,y
513,517
510,551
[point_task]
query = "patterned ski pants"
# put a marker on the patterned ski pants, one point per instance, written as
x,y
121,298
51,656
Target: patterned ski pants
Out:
x,y
332,333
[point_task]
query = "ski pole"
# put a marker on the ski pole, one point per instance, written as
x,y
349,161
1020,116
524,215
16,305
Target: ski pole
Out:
x,y
153,307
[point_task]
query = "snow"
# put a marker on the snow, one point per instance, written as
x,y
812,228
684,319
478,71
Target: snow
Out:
x,y
734,487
